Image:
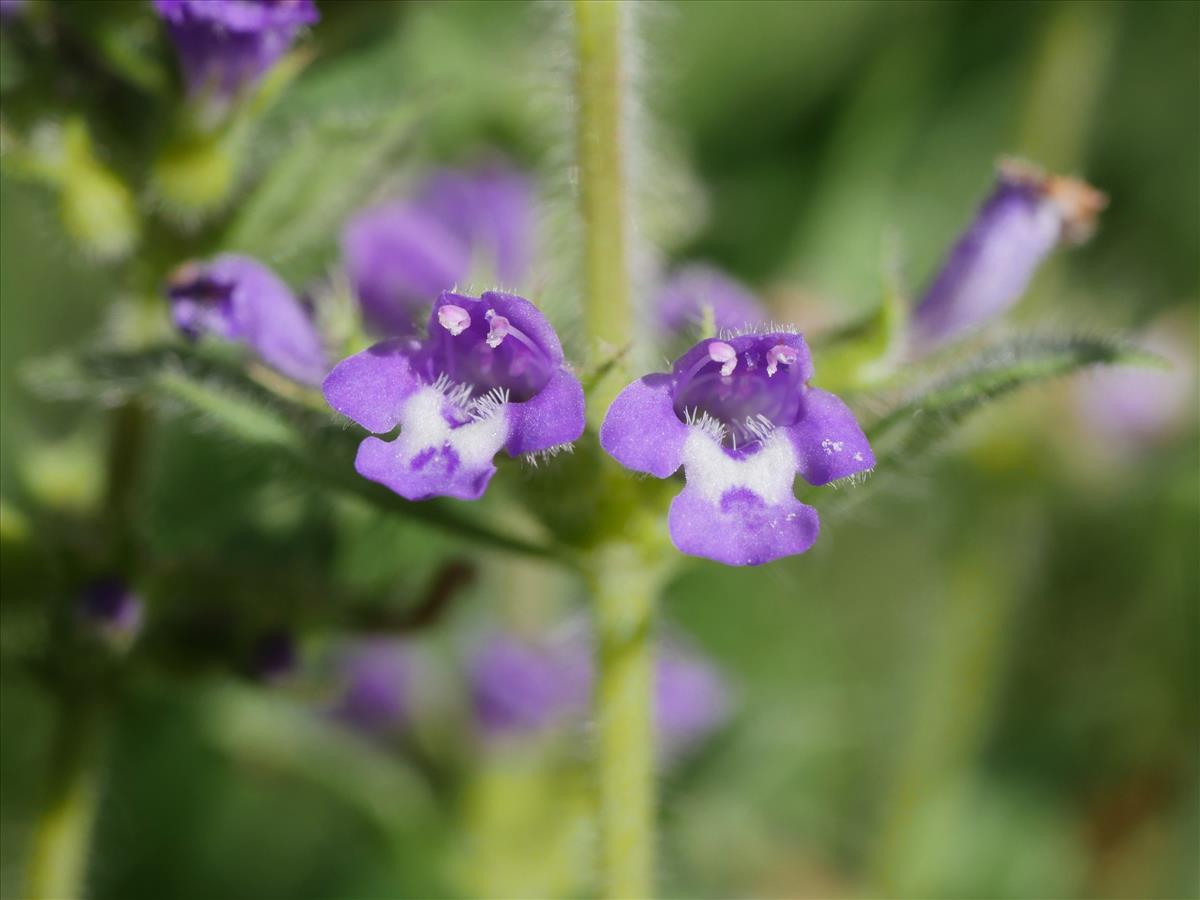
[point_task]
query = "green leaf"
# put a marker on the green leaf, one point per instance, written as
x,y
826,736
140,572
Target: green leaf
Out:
x,y
283,417
924,417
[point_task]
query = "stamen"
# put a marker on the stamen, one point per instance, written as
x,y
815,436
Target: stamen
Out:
x,y
723,353
780,354
499,329
454,319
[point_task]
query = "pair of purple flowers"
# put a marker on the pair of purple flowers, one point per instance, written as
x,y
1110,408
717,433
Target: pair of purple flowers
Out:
x,y
737,414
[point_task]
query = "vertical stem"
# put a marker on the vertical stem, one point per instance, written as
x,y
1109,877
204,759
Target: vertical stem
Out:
x,y
62,837
623,594
600,88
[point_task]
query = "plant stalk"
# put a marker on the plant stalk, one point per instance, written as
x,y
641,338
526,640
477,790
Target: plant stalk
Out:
x,y
57,868
623,593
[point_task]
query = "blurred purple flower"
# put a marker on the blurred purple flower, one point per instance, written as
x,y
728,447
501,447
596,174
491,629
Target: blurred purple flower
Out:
x,y
376,676
1027,214
273,657
1129,407
522,687
741,419
684,302
225,46
519,687
489,376
10,8
111,611
239,299
402,254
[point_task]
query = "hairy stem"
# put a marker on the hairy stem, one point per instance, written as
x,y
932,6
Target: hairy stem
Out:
x,y
623,593
61,840
600,90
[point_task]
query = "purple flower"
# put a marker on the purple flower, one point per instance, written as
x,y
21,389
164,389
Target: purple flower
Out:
x,y
401,254
741,419
239,299
225,46
684,301
520,687
489,376
691,699
1028,213
523,687
376,677
112,612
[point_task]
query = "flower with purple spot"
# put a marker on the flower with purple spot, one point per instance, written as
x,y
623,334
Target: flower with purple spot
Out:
x,y
376,680
489,376
1028,213
401,254
226,46
239,299
112,612
741,419
696,292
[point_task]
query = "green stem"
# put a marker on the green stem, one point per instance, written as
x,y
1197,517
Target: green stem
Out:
x,y
62,838
623,593
600,88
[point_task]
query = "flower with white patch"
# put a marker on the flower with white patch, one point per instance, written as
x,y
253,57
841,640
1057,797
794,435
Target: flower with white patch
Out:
x,y
741,419
489,376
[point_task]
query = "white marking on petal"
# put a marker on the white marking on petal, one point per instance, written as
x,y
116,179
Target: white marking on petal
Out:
x,y
768,473
423,427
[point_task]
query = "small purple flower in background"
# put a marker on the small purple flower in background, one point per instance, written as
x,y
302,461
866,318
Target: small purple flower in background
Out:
x,y
111,611
273,657
685,301
1130,408
225,46
489,376
10,8
520,687
239,299
401,254
1028,213
741,419
376,678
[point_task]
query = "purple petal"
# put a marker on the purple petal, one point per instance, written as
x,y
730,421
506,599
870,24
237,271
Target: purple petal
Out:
x,y
691,698
371,387
828,440
741,529
641,431
554,416
400,258
377,681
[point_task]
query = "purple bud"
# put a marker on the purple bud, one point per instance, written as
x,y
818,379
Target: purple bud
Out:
x,y
225,46
273,657
239,299
691,699
685,300
1027,215
376,678
112,612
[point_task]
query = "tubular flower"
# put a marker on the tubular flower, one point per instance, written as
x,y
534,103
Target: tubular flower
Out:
x,y
741,419
401,253
1028,213
239,299
686,299
376,677
489,376
227,45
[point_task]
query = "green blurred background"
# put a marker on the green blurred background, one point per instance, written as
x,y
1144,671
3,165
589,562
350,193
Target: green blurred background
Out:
x,y
983,682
